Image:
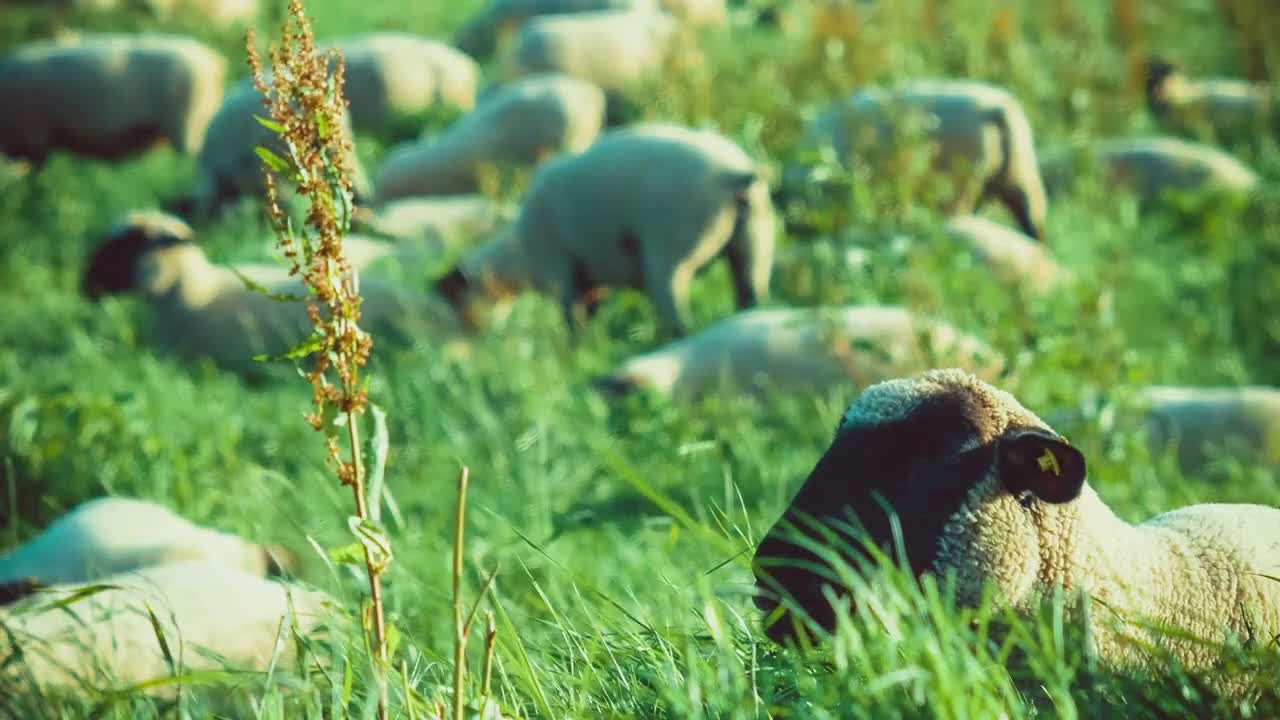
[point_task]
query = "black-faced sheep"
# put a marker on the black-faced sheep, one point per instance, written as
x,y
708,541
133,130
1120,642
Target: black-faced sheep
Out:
x,y
113,535
646,207
145,89
983,489
1229,107
484,32
1012,257
206,311
1201,423
803,349
517,125
212,617
980,134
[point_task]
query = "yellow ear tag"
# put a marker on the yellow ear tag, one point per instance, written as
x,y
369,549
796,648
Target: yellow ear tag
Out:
x,y
1049,461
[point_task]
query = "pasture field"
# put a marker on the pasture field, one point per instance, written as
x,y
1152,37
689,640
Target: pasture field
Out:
x,y
621,532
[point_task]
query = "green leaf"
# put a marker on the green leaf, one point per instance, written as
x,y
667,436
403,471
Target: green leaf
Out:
x,y
164,644
272,160
74,597
352,554
374,539
309,345
262,290
269,124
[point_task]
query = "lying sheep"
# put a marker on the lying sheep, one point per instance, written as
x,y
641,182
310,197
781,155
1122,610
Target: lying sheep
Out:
x,y
1151,167
985,490
211,616
482,34
1201,423
393,73
113,535
1012,257
205,310
145,90
1228,107
645,207
516,126
801,349
980,133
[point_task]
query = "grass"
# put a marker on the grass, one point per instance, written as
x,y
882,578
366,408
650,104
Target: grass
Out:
x,y
619,532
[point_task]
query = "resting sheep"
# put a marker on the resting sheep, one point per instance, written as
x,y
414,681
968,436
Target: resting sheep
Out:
x,y
112,535
107,640
1013,257
646,207
802,349
1228,107
985,490
980,132
517,125
205,310
482,34
145,89
1242,422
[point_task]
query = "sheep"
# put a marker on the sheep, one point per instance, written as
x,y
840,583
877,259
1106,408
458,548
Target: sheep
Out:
x,y
206,310
1012,257
1153,166
983,489
980,132
448,221
481,35
112,535
517,125
146,89
801,349
1206,421
393,73
1226,106
219,14
646,207
211,616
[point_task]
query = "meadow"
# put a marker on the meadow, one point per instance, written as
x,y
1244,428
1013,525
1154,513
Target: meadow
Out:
x,y
621,533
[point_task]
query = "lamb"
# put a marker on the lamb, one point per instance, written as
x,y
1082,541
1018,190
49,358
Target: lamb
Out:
x,y
801,349
981,133
393,73
211,616
113,535
1012,257
481,35
1203,422
985,490
147,89
206,311
646,207
517,125
1228,107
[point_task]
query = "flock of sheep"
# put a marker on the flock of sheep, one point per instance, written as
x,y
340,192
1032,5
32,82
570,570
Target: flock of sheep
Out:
x,y
982,486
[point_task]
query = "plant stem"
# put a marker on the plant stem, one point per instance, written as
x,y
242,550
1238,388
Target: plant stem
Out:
x,y
375,573
459,625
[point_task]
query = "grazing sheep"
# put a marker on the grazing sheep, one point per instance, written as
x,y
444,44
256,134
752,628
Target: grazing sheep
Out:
x,y
211,617
517,125
1228,107
1150,167
984,489
205,310
809,349
482,34
145,89
1012,257
980,133
646,207
392,73
112,535
449,221
1203,422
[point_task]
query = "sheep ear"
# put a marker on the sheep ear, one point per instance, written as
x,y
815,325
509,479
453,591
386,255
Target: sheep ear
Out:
x,y
738,183
1043,463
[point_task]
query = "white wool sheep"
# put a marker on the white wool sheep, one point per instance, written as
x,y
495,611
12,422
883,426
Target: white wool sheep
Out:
x,y
1203,422
211,617
394,73
1012,257
611,49
983,489
485,31
112,535
1227,106
646,207
980,133
212,13
1150,167
517,125
205,310
809,349
145,89
449,221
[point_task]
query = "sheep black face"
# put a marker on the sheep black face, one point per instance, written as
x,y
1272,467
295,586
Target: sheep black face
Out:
x,y
113,267
1160,72
947,458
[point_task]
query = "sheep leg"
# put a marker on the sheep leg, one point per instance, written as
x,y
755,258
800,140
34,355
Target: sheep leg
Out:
x,y
669,292
744,289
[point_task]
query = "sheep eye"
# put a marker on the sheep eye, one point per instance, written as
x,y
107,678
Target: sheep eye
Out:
x,y
1026,499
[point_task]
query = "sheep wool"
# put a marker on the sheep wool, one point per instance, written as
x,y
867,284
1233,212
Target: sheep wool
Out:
x,y
518,125
485,31
1227,106
113,535
985,490
645,207
611,49
392,73
211,615
1151,167
147,89
445,222
1013,257
980,133
802,349
1202,423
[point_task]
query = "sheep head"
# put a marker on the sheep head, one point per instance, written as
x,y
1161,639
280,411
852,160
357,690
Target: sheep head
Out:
x,y
113,267
968,475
